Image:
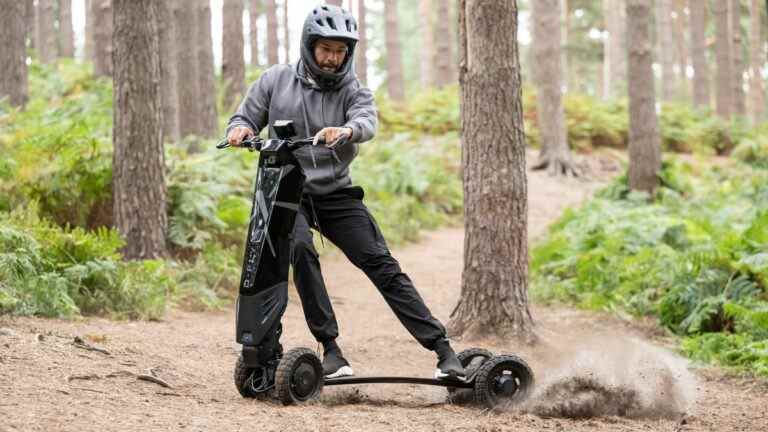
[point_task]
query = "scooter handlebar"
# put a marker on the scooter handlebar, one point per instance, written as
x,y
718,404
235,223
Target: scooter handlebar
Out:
x,y
256,143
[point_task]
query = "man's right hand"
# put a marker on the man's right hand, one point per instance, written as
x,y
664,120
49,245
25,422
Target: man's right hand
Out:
x,y
238,134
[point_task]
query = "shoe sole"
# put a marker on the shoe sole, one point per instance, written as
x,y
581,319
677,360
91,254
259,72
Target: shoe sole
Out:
x,y
342,372
442,375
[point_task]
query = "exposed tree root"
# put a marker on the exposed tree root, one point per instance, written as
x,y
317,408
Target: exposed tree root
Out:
x,y
558,165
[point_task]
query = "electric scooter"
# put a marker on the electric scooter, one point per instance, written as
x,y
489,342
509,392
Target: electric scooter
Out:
x,y
296,376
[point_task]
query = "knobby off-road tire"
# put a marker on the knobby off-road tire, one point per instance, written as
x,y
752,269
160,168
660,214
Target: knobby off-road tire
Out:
x,y
299,377
242,373
503,381
474,357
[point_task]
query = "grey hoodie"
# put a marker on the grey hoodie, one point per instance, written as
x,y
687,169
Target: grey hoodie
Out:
x,y
278,95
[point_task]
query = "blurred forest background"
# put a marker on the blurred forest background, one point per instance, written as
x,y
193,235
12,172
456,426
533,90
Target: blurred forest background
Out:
x,y
693,252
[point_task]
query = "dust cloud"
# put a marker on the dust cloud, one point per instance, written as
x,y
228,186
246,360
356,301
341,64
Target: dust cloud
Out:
x,y
610,375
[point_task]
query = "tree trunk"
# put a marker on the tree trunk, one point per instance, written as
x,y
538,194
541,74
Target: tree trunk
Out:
x,y
13,52
286,34
682,51
168,72
723,59
209,120
395,83
361,62
737,55
272,43
701,91
615,46
31,20
427,30
46,32
757,60
666,47
644,139
494,281
102,37
555,154
443,64
232,61
66,33
187,84
334,2
254,11
138,181
88,45
564,44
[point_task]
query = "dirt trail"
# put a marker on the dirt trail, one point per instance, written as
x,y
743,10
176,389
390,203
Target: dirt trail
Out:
x,y
47,383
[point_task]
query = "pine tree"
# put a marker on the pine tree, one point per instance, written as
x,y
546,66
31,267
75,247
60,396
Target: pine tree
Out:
x,y
494,282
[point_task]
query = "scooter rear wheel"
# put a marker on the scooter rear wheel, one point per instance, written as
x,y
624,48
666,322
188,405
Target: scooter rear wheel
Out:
x,y
503,381
299,376
471,359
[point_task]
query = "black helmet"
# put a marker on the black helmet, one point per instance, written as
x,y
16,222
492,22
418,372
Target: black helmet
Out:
x,y
328,22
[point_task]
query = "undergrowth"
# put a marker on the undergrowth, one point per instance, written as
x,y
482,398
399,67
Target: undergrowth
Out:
x,y
695,256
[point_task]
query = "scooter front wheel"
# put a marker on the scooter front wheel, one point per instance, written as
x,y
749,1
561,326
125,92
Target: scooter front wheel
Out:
x,y
299,376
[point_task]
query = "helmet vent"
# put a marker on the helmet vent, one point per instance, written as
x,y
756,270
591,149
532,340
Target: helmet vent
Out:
x,y
349,27
319,22
325,8
330,22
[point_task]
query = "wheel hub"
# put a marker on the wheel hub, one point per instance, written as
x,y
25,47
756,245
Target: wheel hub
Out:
x,y
505,385
304,380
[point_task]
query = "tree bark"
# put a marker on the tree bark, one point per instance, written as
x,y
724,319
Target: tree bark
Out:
x,y
644,139
13,52
494,281
395,82
428,56
666,47
88,45
444,51
138,180
232,62
66,33
701,90
286,34
724,78
254,11
737,54
187,84
102,37
615,47
46,31
361,62
679,25
168,72
272,42
564,44
209,124
757,60
31,20
555,154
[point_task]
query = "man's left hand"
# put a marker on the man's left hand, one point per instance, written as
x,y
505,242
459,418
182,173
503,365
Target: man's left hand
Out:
x,y
332,135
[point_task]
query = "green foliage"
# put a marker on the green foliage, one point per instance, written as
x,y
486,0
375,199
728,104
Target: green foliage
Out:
x,y
694,256
49,271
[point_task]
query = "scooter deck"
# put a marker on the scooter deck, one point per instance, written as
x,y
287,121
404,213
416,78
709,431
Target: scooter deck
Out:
x,y
469,383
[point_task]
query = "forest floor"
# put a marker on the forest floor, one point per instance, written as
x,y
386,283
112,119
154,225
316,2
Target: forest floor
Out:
x,y
594,371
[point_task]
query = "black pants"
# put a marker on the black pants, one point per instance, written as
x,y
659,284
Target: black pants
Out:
x,y
344,220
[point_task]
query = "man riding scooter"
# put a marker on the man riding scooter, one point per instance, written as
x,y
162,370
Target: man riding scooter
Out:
x,y
324,99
